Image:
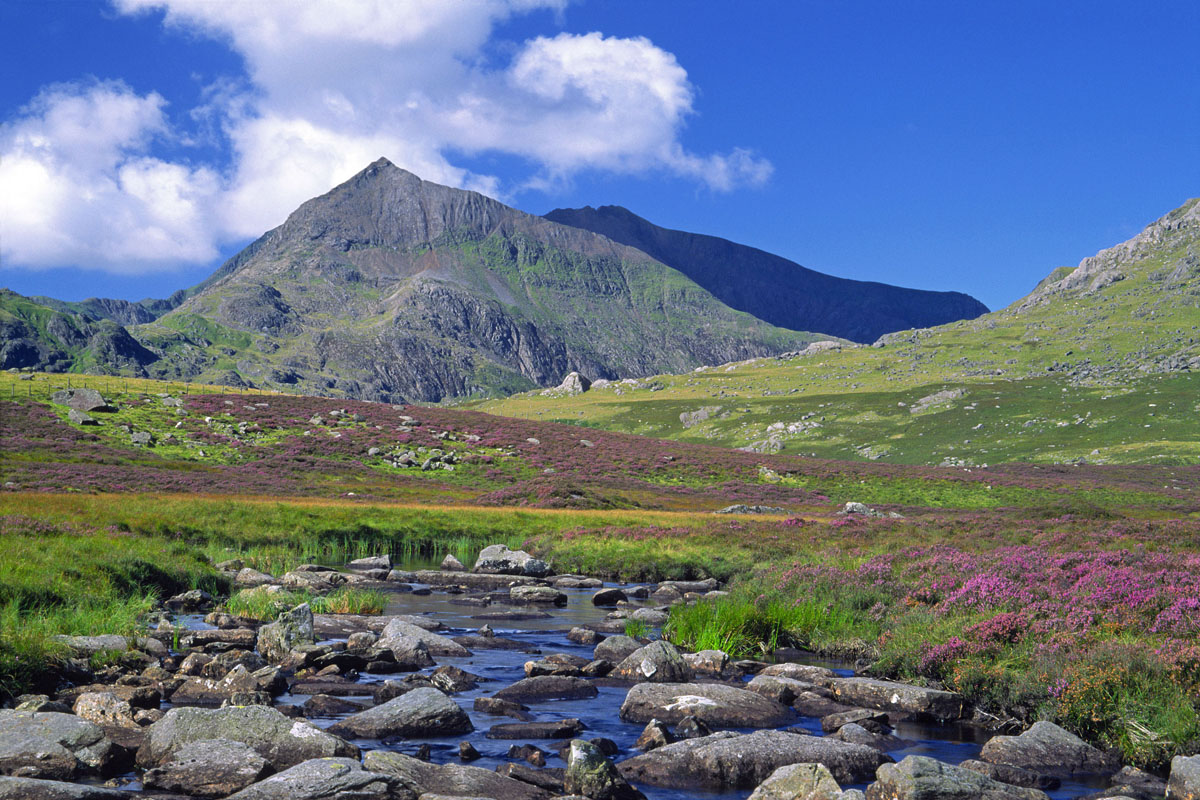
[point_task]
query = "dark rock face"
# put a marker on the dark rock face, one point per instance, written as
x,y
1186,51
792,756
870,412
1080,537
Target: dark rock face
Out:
x,y
54,338
773,288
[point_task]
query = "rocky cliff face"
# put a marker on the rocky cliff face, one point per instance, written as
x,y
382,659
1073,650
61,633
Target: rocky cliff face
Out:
x,y
773,288
37,336
390,287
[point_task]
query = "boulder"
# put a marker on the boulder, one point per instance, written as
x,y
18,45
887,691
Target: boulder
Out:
x,y
292,629
707,662
554,729
398,633
652,616
105,708
657,662
456,780
452,564
371,562
536,595
616,648
655,734
925,778
283,742
548,687
729,760
778,688
238,682
80,418
52,745
1047,749
1184,783
608,597
889,696
327,779
574,383
420,713
250,578
717,705
86,646
591,774
34,789
208,768
1017,776
798,782
821,676
499,560
81,400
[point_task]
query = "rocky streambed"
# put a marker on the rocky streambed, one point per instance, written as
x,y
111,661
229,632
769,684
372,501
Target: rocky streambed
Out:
x,y
511,683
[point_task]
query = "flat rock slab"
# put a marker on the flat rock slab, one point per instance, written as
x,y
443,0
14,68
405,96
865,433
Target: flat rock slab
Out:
x,y
397,631
889,696
729,760
1047,749
33,789
471,580
556,729
208,768
924,778
548,687
716,705
325,779
421,712
456,780
67,738
495,643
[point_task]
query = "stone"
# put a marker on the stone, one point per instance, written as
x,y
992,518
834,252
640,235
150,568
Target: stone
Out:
x,y
820,676
104,708
467,752
548,687
452,564
925,778
1184,783
397,633
80,418
1014,775
87,646
208,768
281,741
657,662
591,774
457,780
555,729
728,760
249,578
862,716
453,680
1049,750
141,438
324,705
325,779
889,696
798,782
655,734
506,708
616,648
580,635
371,562
190,601
716,705
536,595
691,727
12,788
70,745
292,629
420,713
780,689
707,662
499,559
652,616
608,597
82,400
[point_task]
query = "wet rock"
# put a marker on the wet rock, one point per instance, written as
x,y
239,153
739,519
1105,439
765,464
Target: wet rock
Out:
x,y
52,745
608,597
616,648
924,778
549,779
890,696
457,780
691,727
208,768
657,662
536,595
324,705
552,665
707,662
397,633
13,788
655,734
869,719
780,689
555,729
494,642
326,778
371,562
408,652
856,734
452,564
1047,749
798,782
1013,775
597,669
652,616
293,629
421,712
513,616
498,559
548,687
467,752
104,708
584,636
281,741
506,708
729,760
591,774
452,680
530,753
717,705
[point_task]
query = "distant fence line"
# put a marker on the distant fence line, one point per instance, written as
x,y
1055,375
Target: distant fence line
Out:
x,y
41,385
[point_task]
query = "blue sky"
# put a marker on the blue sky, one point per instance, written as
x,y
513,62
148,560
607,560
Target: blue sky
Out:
x,y
941,145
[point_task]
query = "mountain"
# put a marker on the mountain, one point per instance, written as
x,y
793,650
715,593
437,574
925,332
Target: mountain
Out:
x,y
774,289
1098,363
390,287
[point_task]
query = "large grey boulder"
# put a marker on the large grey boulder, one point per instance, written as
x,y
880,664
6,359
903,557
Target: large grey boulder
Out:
x,y
616,648
591,774
1048,749
81,400
292,629
924,778
657,662
104,708
548,687
1184,783
456,780
34,789
889,696
822,676
499,560
536,596
49,744
728,760
328,779
716,705
283,742
799,782
421,712
208,768
398,636
238,682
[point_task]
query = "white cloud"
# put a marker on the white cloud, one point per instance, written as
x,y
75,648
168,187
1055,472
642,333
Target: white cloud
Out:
x,y
331,85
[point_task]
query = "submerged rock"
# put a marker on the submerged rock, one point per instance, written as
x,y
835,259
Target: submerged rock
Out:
x,y
548,687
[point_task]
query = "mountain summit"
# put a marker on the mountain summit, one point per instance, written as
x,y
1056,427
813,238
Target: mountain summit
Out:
x,y
390,287
774,289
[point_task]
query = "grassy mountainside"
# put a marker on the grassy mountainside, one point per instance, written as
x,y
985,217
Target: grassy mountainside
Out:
x,y
1096,364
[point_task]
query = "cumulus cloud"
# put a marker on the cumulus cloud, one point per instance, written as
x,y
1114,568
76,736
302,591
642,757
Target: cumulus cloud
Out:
x,y
330,86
